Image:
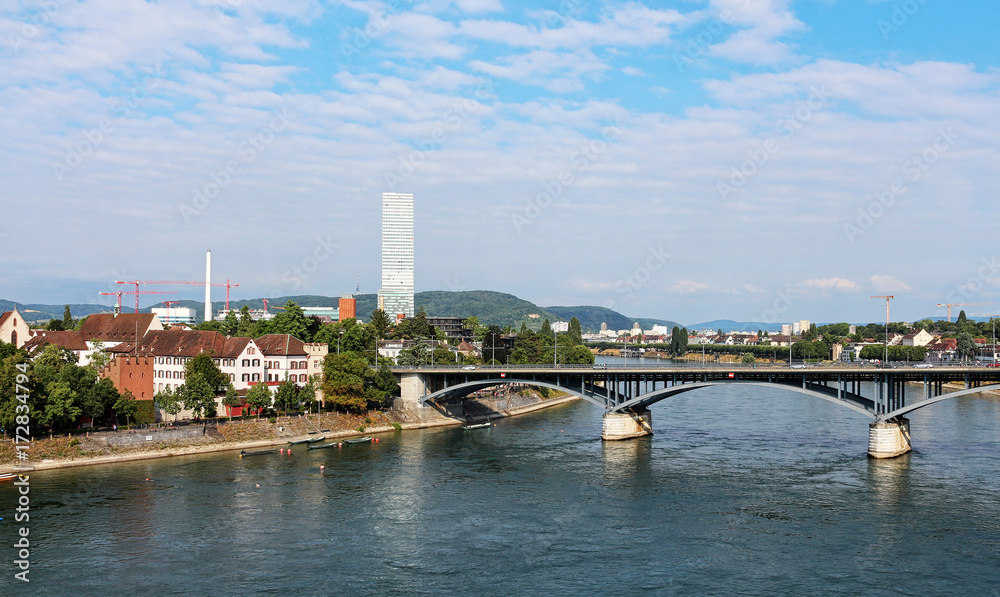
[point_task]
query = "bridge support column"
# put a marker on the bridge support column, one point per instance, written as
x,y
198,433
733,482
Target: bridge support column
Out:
x,y
626,425
889,439
412,387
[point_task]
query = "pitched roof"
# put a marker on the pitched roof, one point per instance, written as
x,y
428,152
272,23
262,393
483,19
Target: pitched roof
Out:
x,y
5,316
274,345
106,327
69,340
186,343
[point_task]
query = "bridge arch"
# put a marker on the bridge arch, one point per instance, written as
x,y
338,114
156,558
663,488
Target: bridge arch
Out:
x,y
854,402
918,405
464,389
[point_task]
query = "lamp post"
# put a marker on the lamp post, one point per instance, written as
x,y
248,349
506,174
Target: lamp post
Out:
x,y
339,336
555,349
993,323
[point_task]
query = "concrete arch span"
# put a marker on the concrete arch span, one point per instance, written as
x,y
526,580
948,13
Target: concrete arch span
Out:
x,y
464,389
854,402
899,412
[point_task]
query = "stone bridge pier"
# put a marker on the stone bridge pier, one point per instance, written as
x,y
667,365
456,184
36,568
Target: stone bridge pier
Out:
x,y
888,439
626,425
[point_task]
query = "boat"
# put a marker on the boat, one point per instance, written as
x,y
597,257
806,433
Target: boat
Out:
x,y
358,440
477,426
308,440
256,452
321,446
7,476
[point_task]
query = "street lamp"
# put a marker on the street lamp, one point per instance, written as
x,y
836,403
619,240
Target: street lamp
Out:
x,y
993,322
339,336
555,350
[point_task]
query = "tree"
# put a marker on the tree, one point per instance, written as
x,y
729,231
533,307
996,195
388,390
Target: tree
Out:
x,y
10,408
383,386
170,402
60,407
246,326
546,328
966,345
574,337
493,346
259,397
748,358
380,322
126,406
962,319
99,359
230,325
286,397
231,400
577,355
477,329
198,395
99,401
292,321
67,320
204,365
307,395
345,376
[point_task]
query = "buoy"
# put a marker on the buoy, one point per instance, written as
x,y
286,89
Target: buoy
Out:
x,y
376,440
257,484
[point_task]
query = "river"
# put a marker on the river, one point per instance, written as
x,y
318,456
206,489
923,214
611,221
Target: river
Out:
x,y
741,491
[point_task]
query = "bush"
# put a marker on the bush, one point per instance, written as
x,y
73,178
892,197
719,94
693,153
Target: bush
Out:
x,y
397,426
361,429
272,420
368,420
74,442
145,413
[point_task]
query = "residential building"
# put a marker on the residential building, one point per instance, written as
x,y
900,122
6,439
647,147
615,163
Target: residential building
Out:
x,y
560,326
918,338
287,357
72,341
112,329
13,330
453,327
396,295
347,308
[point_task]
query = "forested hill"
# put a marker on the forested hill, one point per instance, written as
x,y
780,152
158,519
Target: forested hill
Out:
x,y
487,306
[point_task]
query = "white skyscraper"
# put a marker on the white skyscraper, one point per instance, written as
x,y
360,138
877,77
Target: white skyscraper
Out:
x,y
396,295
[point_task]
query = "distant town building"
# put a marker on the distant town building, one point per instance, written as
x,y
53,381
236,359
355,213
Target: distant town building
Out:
x,y
560,326
13,330
396,295
347,308
453,327
171,315
918,338
113,329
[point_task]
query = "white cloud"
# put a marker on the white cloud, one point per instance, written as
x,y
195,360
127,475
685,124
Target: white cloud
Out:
x,y
686,287
886,283
836,284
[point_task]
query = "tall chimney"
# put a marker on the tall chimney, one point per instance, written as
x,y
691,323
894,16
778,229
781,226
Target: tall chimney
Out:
x,y
208,286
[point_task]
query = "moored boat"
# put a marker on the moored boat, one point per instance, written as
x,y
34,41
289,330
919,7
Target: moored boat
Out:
x,y
477,426
7,476
256,452
321,446
358,440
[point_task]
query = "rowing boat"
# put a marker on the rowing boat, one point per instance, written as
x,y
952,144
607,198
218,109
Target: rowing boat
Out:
x,y
358,440
321,446
477,426
256,452
7,476
308,440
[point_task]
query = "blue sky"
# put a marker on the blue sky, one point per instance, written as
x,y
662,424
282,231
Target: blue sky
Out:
x,y
768,160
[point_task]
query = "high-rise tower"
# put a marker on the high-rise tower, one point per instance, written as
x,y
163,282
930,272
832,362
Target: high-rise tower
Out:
x,y
396,295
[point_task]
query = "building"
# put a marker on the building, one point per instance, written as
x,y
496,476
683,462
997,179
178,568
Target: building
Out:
x,y
13,330
396,295
133,374
287,357
918,338
560,326
347,308
453,327
70,340
113,329
172,315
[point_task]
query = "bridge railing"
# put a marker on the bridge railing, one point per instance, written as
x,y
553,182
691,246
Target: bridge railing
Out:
x,y
663,364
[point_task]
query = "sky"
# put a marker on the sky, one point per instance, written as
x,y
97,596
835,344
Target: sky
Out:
x,y
756,160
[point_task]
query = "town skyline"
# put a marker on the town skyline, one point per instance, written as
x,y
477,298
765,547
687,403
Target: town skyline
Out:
x,y
683,160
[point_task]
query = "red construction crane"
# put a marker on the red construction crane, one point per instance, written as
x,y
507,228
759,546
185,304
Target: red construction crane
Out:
x,y
950,305
228,285
265,306
136,292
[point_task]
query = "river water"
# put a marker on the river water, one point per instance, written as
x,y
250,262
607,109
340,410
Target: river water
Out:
x,y
741,491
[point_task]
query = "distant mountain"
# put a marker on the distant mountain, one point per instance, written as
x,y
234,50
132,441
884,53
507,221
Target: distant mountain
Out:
x,y
591,318
728,325
489,307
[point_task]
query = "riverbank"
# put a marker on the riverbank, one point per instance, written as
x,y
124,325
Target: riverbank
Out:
x,y
239,434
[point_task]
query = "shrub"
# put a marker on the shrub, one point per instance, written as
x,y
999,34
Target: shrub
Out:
x,y
397,426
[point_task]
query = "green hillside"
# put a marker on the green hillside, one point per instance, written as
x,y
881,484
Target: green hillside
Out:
x,y
591,318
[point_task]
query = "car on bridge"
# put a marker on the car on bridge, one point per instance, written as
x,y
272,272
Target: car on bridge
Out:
x,y
469,368
923,365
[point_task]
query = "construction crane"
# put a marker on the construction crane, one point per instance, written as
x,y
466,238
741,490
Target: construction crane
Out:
x,y
136,292
228,285
265,306
950,305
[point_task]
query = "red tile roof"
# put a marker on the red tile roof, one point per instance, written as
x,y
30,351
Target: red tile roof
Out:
x,y
274,345
69,340
108,328
186,343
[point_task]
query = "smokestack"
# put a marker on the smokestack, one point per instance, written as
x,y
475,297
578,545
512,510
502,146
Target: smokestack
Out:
x,y
208,286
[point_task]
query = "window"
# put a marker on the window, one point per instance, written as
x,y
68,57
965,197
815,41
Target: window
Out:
x,y
246,362
250,350
276,365
303,365
245,377
232,377
256,362
303,378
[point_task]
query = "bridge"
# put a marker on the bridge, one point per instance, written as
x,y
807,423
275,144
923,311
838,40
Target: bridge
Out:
x,y
625,393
